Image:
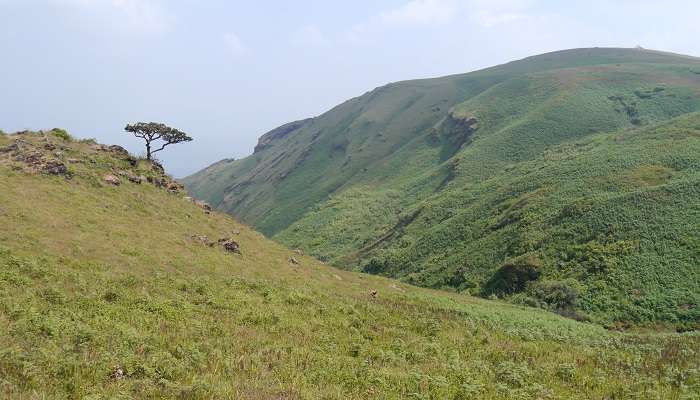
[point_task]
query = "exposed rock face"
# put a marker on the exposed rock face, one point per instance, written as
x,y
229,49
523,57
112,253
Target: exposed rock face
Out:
x,y
267,139
111,179
53,167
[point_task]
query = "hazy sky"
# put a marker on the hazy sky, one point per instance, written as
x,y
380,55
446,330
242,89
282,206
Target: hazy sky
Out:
x,y
228,71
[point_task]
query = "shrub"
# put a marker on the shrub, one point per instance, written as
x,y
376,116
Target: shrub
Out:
x,y
556,295
61,134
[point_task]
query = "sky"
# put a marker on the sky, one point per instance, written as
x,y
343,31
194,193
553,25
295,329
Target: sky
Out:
x,y
226,72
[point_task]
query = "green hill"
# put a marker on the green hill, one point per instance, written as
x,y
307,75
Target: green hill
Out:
x,y
123,291
567,181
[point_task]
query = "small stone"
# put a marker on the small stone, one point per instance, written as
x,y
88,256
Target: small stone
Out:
x,y
299,252
111,179
293,261
73,161
117,373
373,293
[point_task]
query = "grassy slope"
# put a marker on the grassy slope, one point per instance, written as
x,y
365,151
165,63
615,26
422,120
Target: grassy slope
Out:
x,y
425,211
94,276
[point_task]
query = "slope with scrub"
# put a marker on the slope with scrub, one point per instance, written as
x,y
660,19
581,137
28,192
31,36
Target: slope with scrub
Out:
x,y
112,292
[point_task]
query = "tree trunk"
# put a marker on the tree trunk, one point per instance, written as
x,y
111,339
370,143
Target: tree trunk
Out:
x,y
148,151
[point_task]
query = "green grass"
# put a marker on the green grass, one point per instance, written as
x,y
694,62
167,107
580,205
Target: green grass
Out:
x,y
95,277
585,160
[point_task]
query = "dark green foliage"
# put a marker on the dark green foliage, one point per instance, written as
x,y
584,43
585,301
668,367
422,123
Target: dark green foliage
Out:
x,y
61,133
513,276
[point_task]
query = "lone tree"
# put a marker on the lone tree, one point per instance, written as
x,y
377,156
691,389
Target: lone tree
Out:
x,y
152,131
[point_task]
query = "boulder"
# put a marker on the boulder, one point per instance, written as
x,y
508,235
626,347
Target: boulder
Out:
x,y
230,245
174,187
111,179
119,150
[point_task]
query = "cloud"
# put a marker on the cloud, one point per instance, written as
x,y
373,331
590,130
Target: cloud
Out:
x,y
309,36
421,12
123,16
233,43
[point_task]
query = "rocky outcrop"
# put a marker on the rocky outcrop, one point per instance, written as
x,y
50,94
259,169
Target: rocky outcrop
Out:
x,y
54,167
276,134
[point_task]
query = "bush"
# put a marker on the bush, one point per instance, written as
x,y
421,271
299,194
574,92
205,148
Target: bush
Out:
x,y
61,134
556,295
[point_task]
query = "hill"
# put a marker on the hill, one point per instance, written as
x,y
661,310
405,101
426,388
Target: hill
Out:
x,y
571,172
122,290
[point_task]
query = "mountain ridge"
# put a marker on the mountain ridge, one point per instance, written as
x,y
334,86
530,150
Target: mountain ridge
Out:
x,y
391,182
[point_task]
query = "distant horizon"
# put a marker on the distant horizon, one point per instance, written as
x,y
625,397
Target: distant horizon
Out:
x,y
213,70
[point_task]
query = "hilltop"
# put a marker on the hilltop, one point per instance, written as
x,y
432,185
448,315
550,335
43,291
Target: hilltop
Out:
x,y
567,181
124,290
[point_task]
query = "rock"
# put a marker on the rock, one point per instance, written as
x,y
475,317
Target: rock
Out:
x,y
73,161
203,205
58,154
373,293
30,158
230,245
174,187
203,240
188,198
293,261
299,252
111,179
136,179
9,148
54,167
337,277
158,167
132,160
236,232
118,150
50,146
117,373
157,182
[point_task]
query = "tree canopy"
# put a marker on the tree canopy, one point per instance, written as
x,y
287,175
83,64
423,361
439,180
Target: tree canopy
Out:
x,y
151,132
